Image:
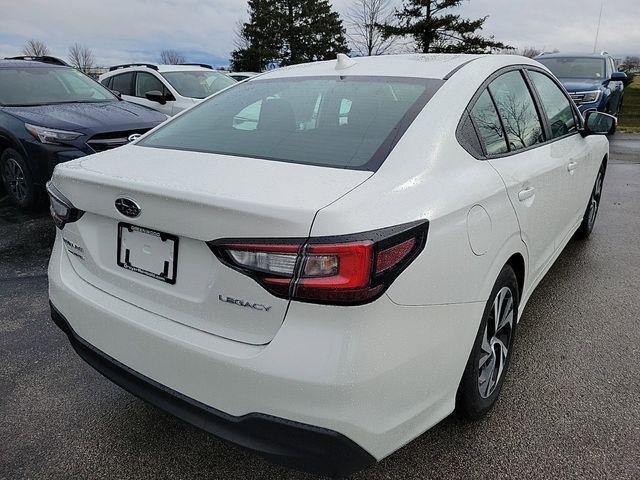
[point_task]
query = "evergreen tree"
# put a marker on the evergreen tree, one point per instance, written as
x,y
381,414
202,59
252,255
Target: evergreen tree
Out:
x,y
286,32
434,30
258,46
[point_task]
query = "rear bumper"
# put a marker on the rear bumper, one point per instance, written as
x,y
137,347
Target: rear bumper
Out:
x,y
378,374
289,443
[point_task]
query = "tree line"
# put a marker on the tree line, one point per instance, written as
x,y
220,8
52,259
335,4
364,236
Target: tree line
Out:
x,y
286,32
83,57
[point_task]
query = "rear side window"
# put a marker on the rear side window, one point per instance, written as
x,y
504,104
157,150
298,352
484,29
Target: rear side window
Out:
x,y
485,118
107,82
517,110
556,106
123,83
146,82
345,122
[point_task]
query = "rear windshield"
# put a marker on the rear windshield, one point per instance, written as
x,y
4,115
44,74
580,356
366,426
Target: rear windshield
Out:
x,y
345,122
575,67
47,85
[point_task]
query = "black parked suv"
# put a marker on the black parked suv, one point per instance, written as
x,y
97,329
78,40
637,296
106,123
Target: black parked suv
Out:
x,y
51,113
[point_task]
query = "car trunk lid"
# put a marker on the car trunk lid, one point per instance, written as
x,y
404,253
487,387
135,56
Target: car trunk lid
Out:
x,y
193,198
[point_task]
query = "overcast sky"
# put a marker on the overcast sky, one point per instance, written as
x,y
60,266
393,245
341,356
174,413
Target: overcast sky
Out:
x,y
136,30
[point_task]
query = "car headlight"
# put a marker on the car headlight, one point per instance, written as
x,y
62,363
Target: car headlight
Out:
x,y
51,135
62,211
590,97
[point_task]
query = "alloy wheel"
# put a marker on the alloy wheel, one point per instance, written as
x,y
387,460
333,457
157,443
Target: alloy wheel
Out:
x,y
496,341
594,202
15,179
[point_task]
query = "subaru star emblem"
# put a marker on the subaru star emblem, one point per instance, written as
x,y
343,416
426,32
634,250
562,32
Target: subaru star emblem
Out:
x,y
133,136
128,207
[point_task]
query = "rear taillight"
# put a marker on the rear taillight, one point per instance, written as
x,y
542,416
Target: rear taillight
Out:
x,y
345,270
62,211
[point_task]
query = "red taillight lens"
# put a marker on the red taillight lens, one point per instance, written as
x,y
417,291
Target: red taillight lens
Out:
x,y
344,270
352,277
391,256
352,265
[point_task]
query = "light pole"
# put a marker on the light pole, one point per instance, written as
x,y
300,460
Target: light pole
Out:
x,y
595,44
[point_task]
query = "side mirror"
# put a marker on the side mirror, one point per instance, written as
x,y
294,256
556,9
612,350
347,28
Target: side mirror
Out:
x,y
619,77
598,123
117,94
156,96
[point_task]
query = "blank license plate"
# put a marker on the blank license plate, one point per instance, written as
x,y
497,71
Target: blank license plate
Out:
x,y
148,252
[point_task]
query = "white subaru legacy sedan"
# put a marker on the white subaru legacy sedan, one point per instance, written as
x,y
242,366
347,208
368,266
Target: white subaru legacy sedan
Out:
x,y
322,262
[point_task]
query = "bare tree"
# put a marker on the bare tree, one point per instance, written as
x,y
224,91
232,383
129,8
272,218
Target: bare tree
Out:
x,y
530,52
35,48
81,57
362,20
172,57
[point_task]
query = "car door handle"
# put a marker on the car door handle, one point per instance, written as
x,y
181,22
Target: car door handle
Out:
x,y
526,193
571,166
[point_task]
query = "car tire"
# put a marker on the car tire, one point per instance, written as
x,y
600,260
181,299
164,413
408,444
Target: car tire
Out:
x,y
17,180
491,353
590,214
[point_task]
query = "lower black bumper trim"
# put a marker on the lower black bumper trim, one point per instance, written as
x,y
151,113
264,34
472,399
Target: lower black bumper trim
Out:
x,y
296,445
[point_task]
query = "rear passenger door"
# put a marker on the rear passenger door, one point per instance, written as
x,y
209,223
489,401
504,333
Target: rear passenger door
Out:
x,y
514,140
567,146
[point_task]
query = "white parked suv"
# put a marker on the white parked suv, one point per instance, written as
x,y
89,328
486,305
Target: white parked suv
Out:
x,y
166,88
324,261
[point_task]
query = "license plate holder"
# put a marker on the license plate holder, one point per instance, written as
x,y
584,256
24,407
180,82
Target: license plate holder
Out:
x,y
148,252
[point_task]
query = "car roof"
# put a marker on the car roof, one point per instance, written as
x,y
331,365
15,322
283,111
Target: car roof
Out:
x,y
27,64
435,66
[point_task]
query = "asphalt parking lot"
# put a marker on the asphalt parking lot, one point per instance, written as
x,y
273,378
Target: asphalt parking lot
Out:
x,y
569,408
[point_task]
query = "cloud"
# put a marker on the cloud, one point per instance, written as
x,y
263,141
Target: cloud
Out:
x,y
124,30
137,30
565,25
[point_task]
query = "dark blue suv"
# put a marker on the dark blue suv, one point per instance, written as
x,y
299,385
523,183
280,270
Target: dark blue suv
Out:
x,y
51,113
591,79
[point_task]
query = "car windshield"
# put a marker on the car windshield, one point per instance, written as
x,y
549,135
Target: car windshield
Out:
x,y
346,122
48,85
575,67
198,84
